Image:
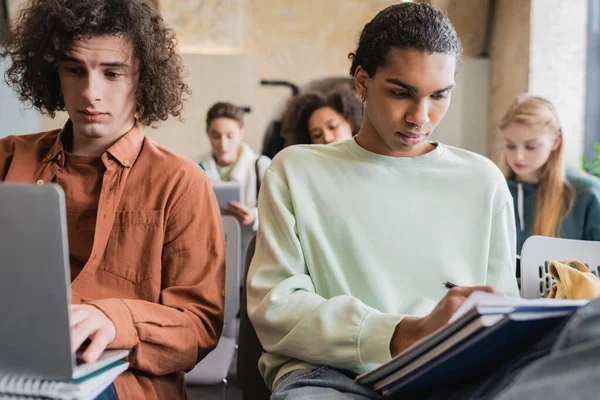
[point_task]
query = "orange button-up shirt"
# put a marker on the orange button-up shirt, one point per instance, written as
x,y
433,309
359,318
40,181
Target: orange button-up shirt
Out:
x,y
157,262
81,180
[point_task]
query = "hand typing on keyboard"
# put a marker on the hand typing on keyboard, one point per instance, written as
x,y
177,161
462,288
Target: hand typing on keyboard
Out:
x,y
91,331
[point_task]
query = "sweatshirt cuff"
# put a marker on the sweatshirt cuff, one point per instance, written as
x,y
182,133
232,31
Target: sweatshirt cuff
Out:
x,y
375,338
117,311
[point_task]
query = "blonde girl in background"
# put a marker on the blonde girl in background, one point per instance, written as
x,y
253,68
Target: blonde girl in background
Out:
x,y
549,199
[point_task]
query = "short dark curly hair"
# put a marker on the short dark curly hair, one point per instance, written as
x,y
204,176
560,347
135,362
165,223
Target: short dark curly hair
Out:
x,y
45,29
343,99
415,26
225,110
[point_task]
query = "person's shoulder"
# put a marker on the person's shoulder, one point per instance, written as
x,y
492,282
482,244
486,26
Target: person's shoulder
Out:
x,y
468,156
582,181
31,140
168,164
263,161
304,153
204,158
476,165
249,154
586,186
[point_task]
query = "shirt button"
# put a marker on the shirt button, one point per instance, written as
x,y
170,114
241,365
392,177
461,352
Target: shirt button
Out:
x,y
126,162
40,182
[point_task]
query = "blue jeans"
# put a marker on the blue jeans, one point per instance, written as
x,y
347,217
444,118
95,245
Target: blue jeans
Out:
x,y
109,393
320,384
563,364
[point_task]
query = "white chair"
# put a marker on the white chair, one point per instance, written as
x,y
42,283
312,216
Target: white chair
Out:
x,y
538,251
213,369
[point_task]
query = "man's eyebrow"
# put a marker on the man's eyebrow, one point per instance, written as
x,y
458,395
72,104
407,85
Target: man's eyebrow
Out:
x,y
444,89
406,86
117,64
415,89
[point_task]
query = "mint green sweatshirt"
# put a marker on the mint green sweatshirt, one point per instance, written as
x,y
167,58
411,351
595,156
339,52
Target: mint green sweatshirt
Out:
x,y
582,222
350,242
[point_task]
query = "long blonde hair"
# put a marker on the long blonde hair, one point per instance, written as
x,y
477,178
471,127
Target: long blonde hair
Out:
x,y
555,194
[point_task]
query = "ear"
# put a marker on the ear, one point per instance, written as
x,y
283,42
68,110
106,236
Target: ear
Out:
x,y
242,133
557,141
361,82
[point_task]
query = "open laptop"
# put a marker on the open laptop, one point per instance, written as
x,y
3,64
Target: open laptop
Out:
x,y
35,286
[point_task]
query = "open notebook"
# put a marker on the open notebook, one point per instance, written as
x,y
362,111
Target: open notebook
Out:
x,y
481,334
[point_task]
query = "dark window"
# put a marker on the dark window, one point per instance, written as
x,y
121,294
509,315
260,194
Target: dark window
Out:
x,y
3,17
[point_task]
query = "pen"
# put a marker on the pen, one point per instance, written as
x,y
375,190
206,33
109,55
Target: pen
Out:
x,y
449,284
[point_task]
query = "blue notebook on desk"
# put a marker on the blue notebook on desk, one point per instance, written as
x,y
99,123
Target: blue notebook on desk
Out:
x,y
482,334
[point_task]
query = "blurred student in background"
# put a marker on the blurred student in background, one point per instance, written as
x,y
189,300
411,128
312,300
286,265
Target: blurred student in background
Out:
x,y
231,160
549,199
322,118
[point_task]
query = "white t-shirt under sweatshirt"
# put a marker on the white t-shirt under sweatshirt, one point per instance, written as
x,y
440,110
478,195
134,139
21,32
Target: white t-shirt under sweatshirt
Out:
x,y
350,242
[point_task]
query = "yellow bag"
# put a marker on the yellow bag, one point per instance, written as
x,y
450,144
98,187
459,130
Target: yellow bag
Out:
x,y
573,283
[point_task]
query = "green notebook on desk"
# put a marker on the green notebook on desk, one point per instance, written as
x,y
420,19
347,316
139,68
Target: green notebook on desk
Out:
x,y
85,388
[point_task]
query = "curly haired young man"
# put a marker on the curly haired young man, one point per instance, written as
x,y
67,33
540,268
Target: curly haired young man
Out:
x,y
145,236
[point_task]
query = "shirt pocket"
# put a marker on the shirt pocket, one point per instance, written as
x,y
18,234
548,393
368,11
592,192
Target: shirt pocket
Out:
x,y
134,248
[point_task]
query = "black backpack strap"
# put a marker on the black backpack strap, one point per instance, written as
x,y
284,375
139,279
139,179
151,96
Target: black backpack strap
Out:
x,y
257,177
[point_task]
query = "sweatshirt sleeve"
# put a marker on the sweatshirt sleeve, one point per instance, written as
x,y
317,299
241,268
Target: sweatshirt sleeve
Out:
x,y
502,251
263,163
289,316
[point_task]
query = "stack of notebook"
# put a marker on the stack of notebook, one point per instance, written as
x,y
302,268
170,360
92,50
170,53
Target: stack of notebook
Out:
x,y
481,334
89,380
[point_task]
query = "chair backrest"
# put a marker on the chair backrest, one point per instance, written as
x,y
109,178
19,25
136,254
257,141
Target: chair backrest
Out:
x,y
233,260
249,348
213,368
538,251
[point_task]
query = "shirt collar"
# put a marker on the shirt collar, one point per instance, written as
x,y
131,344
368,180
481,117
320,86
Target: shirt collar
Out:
x,y
56,152
125,150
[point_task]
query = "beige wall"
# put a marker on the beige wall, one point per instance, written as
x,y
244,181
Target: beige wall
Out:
x,y
557,65
536,46
470,19
509,70
539,46
13,6
465,124
296,41
293,40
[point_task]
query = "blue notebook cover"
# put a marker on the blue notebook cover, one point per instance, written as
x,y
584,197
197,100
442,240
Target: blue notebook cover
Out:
x,y
477,355
404,359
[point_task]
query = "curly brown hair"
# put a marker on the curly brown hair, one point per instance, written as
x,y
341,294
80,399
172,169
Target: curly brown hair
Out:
x,y
45,29
344,100
225,110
